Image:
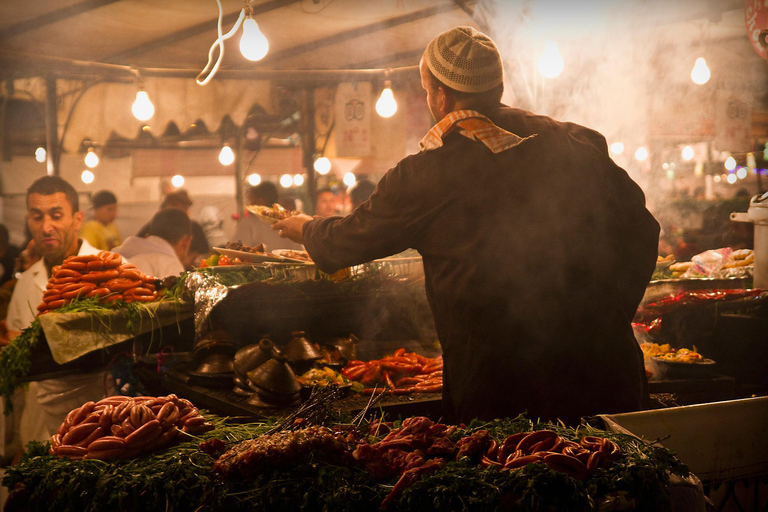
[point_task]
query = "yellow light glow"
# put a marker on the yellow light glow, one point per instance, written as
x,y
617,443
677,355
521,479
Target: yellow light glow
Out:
x,y
226,156
143,109
91,158
177,181
286,180
253,44
323,165
687,153
700,73
86,176
386,106
254,179
730,163
349,179
40,154
717,178
617,148
641,154
298,180
550,62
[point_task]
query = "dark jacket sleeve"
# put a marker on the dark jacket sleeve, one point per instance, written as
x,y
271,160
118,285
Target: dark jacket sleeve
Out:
x,y
390,221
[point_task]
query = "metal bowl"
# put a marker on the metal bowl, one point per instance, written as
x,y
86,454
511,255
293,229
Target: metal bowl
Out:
x,y
252,356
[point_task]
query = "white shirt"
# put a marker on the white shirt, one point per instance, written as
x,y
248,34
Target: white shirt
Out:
x,y
152,255
28,292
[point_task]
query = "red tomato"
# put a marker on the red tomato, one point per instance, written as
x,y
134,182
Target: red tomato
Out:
x,y
203,263
224,260
236,261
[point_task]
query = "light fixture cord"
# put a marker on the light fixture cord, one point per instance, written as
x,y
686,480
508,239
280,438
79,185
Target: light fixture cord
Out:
x,y
220,43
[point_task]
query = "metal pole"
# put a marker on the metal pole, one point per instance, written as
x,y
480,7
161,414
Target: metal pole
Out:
x,y
308,114
238,149
51,127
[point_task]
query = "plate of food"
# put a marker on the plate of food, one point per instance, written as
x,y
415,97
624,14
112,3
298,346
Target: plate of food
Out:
x,y
682,363
292,255
247,256
270,214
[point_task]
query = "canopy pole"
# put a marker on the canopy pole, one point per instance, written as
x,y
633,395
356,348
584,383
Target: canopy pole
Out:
x,y
308,144
239,175
51,127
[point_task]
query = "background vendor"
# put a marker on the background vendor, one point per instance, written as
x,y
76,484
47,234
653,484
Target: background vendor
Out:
x,y
537,247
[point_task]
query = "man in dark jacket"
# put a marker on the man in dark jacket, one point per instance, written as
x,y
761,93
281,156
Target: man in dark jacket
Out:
x,y
537,247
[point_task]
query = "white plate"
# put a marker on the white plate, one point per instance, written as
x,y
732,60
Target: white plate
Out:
x,y
285,254
259,210
249,257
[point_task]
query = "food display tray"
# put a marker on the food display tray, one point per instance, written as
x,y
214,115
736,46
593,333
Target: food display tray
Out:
x,y
665,287
225,402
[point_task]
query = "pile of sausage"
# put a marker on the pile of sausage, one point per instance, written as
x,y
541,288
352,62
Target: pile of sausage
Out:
x,y
578,460
401,373
103,275
120,427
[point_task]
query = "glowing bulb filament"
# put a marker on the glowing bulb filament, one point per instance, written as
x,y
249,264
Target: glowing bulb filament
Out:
x,y
91,158
550,62
143,109
700,73
322,165
226,156
386,106
253,45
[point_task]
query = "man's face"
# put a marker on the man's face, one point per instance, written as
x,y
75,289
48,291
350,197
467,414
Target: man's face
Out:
x,y
326,204
428,85
53,225
105,214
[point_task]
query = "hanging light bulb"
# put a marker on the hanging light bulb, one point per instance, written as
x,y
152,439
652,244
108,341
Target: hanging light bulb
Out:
x,y
40,154
143,109
731,179
298,180
323,165
349,179
253,44
687,153
550,61
254,179
286,180
741,173
177,181
617,148
730,163
226,156
86,176
386,106
641,154
700,73
91,158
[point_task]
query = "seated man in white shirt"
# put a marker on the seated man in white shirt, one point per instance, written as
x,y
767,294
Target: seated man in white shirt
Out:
x,y
54,219
166,245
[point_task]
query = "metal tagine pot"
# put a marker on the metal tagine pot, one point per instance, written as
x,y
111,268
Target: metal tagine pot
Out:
x,y
301,352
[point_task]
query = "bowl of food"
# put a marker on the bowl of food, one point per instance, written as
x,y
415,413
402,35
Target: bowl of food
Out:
x,y
682,363
323,377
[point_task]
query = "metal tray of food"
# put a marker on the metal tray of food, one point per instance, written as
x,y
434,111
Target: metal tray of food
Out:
x,y
665,287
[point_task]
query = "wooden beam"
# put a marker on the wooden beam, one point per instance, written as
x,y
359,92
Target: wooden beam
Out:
x,y
23,65
386,61
53,17
194,30
359,32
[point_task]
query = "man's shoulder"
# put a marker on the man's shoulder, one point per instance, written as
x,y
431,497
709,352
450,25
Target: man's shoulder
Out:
x,y
87,248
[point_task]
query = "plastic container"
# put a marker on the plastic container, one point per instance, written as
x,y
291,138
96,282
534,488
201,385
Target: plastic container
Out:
x,y
757,214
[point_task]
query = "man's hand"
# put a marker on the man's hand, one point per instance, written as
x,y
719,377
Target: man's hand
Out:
x,y
291,227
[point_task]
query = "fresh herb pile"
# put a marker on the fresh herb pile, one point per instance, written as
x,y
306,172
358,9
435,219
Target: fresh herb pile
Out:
x,y
16,357
181,478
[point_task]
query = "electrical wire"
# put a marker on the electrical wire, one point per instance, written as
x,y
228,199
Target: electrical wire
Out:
x,y
220,43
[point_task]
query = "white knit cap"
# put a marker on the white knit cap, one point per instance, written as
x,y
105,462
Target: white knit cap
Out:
x,y
465,59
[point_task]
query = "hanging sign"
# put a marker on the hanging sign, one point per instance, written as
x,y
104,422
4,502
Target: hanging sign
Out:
x,y
353,119
756,17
